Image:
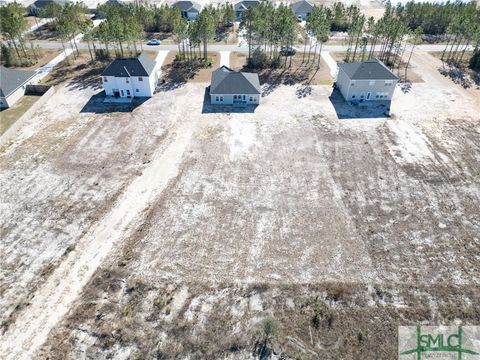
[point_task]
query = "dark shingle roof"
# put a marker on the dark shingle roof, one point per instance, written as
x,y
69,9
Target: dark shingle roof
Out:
x,y
227,81
301,7
141,66
372,69
244,5
187,6
11,80
40,4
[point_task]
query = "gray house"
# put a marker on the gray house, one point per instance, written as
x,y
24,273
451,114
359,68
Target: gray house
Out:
x,y
241,6
365,81
188,9
35,8
302,9
231,87
13,84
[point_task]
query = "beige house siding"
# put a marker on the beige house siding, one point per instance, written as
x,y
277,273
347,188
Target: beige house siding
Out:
x,y
228,99
357,90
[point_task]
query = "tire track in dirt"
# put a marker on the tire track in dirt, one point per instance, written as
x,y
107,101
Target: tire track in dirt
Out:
x,y
53,300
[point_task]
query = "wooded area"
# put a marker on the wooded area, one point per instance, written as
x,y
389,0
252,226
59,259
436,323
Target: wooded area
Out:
x,y
268,29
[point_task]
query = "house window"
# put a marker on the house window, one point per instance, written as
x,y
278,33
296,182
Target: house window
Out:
x,y
353,96
371,82
388,83
136,90
251,98
140,79
105,79
127,80
221,98
353,83
217,98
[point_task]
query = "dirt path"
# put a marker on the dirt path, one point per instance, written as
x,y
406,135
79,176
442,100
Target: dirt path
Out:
x,y
429,66
53,300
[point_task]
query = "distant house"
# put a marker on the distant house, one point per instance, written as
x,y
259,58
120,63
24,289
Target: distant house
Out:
x,y
302,9
13,84
241,6
367,80
232,87
35,8
128,78
188,9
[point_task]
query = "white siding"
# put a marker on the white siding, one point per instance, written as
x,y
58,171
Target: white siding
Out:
x,y
137,88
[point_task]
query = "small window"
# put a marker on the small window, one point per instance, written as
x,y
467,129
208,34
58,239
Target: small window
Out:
x,y
251,98
388,83
105,79
140,79
221,98
353,96
136,90
127,80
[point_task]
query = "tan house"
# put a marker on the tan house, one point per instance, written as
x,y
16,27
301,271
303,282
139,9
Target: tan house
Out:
x,y
366,81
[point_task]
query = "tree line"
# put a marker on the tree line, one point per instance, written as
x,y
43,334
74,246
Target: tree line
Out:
x,y
267,29
13,25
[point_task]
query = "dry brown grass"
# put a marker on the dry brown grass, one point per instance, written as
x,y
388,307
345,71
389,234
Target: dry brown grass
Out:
x,y
298,72
47,55
174,74
79,71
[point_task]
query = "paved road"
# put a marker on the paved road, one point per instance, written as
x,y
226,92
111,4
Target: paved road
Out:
x,y
242,48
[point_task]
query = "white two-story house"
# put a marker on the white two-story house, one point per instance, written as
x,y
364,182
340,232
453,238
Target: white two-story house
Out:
x,y
128,78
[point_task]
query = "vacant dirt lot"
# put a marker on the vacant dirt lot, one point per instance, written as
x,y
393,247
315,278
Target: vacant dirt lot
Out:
x,y
189,229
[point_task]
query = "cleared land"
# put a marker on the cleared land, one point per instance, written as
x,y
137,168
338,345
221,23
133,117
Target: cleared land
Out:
x,y
12,114
340,229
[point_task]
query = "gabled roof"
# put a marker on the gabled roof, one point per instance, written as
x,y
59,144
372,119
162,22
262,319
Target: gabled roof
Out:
x,y
40,4
245,4
141,66
372,69
302,7
187,6
226,81
11,80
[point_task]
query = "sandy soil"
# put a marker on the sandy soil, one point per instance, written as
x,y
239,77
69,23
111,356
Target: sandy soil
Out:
x,y
341,229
